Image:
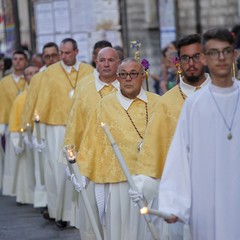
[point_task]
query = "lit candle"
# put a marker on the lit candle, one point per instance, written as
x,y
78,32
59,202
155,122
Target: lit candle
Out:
x,y
70,153
151,211
20,140
29,134
129,178
37,121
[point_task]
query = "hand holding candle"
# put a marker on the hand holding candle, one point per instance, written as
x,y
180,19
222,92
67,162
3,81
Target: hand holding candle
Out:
x,y
70,154
129,178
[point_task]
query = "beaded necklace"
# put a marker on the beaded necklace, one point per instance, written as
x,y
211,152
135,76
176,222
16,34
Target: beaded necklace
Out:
x,y
135,127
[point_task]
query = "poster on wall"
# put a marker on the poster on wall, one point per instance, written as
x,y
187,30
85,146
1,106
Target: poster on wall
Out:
x,y
61,16
42,40
167,22
87,21
44,18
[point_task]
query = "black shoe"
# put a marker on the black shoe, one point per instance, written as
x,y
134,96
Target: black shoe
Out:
x,y
20,204
61,224
46,215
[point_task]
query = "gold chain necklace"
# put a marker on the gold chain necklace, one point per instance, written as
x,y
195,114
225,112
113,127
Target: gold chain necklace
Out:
x,y
183,96
135,127
72,86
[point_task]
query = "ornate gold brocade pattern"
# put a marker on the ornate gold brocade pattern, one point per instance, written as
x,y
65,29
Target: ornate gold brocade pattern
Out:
x,y
16,112
96,158
82,108
9,91
159,133
53,103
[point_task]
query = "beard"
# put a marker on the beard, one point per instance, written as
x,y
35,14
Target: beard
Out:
x,y
192,79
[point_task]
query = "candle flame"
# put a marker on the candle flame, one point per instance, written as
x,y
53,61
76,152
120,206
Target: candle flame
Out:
x,y
28,125
103,124
70,154
36,116
144,210
21,130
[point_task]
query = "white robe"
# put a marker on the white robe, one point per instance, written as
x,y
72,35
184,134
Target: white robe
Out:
x,y
59,189
25,181
200,182
40,194
10,168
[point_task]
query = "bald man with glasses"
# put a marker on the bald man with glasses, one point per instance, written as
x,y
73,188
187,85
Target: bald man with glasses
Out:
x,y
127,113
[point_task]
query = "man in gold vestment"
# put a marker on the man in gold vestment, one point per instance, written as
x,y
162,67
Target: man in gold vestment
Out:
x,y
50,54
164,120
10,87
127,113
101,83
53,106
24,172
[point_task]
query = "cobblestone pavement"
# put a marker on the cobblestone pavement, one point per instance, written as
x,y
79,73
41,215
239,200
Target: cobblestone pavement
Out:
x,y
26,223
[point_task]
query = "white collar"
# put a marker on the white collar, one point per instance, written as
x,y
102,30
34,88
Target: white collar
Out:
x,y
43,68
100,84
217,89
188,89
126,102
68,69
16,78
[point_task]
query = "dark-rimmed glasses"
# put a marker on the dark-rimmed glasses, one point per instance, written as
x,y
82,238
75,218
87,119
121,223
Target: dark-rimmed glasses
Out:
x,y
124,75
215,53
50,56
185,58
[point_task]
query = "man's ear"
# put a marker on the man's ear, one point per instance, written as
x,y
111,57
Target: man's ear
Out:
x,y
203,59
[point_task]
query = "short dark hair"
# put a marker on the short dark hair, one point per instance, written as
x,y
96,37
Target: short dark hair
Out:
x,y
74,43
20,51
236,29
188,40
102,44
50,44
221,34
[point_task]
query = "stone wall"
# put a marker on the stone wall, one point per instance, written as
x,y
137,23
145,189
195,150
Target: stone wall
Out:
x,y
213,13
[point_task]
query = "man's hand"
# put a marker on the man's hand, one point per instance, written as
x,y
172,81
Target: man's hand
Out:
x,y
172,219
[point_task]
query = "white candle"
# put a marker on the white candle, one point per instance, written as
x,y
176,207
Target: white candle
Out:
x,y
29,134
1,149
129,178
71,156
151,211
38,133
20,140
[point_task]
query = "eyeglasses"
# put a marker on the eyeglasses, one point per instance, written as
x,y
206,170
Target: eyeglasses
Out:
x,y
124,75
51,56
186,59
215,53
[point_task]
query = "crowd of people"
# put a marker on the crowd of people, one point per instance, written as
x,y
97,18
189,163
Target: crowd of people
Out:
x,y
179,146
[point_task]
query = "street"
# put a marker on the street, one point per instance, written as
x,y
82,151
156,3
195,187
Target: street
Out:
x,y
26,223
